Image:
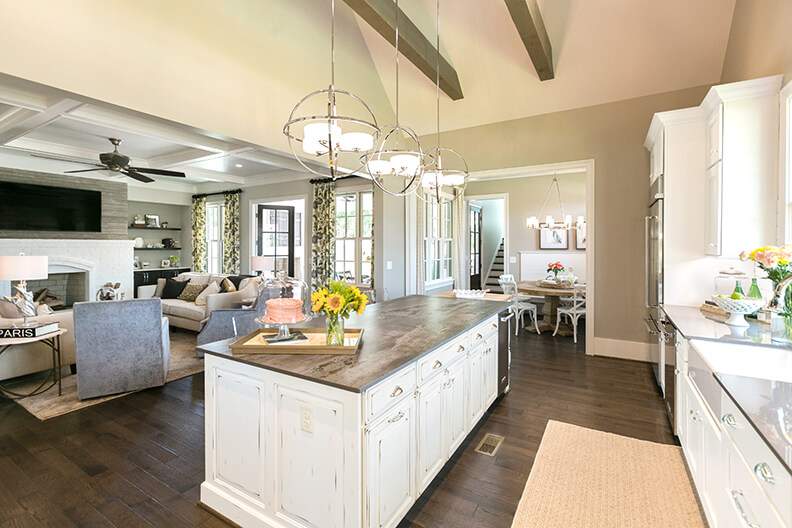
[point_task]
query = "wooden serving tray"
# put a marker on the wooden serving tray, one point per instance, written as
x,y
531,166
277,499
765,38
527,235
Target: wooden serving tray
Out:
x,y
256,343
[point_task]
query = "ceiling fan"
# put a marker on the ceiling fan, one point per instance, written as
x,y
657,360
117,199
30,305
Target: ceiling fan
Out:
x,y
117,162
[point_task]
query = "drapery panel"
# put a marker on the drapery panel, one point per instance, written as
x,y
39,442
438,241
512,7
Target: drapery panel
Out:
x,y
199,233
231,233
460,268
420,249
323,233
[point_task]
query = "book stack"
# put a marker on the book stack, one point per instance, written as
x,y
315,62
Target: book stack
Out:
x,y
28,331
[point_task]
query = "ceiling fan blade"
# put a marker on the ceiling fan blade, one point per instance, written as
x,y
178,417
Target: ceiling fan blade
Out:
x,y
67,160
84,170
159,172
136,176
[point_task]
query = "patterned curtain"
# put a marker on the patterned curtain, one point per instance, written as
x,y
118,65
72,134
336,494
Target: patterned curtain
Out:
x,y
231,234
323,235
420,233
199,233
374,242
460,269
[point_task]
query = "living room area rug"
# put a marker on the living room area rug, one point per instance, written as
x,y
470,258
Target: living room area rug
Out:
x,y
592,479
48,405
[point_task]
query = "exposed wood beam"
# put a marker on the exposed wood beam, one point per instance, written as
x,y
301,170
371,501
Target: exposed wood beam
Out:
x,y
528,20
381,15
15,127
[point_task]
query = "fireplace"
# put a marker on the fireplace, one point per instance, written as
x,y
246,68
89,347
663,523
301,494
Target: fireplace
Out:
x,y
60,290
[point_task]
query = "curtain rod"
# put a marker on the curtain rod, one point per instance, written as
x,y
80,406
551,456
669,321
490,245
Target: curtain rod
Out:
x,y
314,181
204,195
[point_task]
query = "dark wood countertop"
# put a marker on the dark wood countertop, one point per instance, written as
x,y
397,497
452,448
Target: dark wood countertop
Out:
x,y
396,333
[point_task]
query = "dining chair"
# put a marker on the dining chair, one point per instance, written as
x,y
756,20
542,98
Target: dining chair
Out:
x,y
574,310
519,307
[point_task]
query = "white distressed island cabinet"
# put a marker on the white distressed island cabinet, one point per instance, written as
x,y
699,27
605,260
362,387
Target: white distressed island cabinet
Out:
x,y
284,451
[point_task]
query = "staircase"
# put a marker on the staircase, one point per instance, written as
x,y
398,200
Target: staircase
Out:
x,y
491,282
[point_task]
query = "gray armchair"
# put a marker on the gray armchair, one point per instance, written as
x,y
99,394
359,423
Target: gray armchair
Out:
x,y
121,346
222,321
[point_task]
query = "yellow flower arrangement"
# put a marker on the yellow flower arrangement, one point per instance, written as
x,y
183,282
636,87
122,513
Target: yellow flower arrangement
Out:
x,y
339,299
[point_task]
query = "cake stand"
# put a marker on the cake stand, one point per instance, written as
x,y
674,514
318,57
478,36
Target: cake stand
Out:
x,y
288,303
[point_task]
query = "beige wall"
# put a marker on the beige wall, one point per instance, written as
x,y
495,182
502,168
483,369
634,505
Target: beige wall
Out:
x,y
613,136
759,41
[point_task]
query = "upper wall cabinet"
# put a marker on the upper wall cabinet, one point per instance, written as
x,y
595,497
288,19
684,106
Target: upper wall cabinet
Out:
x,y
657,156
742,156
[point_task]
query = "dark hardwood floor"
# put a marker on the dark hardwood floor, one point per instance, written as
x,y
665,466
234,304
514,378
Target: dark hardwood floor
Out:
x,y
138,460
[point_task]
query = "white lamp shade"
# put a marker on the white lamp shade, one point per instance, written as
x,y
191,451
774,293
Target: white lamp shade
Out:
x,y
313,147
258,263
532,221
568,220
379,167
357,142
549,220
429,180
405,164
321,131
452,180
23,267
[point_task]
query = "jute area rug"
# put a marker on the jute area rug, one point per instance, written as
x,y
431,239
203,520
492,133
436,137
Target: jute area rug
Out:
x,y
586,478
48,405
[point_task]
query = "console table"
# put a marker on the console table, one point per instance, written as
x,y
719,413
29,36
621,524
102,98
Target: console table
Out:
x,y
52,341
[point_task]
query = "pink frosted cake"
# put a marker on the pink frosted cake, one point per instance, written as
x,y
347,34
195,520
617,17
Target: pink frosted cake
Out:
x,y
284,311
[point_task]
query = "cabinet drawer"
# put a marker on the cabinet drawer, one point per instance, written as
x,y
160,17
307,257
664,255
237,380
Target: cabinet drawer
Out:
x,y
767,471
480,333
701,377
749,506
436,362
389,392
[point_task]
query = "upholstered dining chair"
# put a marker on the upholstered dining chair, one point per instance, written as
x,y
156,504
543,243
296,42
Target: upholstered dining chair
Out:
x,y
574,309
120,346
519,307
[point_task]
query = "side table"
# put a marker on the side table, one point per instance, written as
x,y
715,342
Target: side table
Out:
x,y
53,342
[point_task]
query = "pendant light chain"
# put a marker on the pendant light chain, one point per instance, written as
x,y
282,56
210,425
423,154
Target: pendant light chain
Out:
x,y
396,45
437,73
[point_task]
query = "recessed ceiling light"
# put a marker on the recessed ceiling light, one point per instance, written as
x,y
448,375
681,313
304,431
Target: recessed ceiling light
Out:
x,y
238,165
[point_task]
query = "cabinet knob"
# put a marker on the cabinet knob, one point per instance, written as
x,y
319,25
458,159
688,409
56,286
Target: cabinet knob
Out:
x,y
437,364
398,391
730,420
763,472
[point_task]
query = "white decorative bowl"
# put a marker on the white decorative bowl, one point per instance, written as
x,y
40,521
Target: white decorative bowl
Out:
x,y
470,294
738,308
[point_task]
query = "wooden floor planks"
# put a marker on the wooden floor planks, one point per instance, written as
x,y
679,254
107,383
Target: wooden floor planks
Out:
x,y
138,461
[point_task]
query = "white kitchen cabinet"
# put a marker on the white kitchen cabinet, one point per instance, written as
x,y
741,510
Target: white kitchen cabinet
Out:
x,y
657,158
742,140
490,361
431,435
455,391
694,442
476,394
391,466
714,209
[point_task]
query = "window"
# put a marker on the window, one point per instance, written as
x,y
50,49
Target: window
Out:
x,y
786,158
276,237
438,241
355,237
214,237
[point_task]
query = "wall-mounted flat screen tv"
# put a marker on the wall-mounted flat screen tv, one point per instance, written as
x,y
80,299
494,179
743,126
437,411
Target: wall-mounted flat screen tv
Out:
x,y
26,207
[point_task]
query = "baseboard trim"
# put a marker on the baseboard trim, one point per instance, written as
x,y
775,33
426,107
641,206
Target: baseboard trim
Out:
x,y
622,349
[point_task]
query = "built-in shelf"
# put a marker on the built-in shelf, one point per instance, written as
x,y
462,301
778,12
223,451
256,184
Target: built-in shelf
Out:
x,y
157,249
155,228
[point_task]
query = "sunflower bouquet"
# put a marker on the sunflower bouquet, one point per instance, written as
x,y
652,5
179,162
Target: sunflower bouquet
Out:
x,y
337,301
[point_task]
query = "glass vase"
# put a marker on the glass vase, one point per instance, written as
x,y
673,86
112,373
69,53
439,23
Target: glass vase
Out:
x,y
335,330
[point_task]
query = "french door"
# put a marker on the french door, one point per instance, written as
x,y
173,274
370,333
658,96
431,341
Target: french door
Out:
x,y
275,239
475,247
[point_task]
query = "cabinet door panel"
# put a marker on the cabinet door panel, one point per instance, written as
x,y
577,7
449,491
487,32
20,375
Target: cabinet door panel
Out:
x,y
714,208
490,355
431,445
391,466
476,393
715,136
455,409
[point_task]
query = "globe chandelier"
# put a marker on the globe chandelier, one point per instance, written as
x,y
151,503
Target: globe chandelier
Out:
x,y
445,179
398,161
565,222
330,129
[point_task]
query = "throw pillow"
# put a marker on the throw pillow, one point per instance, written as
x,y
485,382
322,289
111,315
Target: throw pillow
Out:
x,y
191,292
209,290
9,310
236,279
173,288
227,286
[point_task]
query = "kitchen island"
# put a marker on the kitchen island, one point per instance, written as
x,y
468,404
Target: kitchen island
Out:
x,y
349,441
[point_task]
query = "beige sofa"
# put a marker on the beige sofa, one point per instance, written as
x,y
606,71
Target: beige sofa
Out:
x,y
36,357
190,316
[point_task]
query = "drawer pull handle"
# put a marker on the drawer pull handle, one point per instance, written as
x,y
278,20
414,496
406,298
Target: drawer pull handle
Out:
x,y
737,497
764,472
398,391
396,418
461,348
437,364
730,420
479,336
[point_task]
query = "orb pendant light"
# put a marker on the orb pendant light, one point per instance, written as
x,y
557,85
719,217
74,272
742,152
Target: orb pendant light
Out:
x,y
329,129
397,163
445,178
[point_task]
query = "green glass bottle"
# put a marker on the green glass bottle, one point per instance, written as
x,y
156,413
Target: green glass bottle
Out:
x,y
738,288
754,292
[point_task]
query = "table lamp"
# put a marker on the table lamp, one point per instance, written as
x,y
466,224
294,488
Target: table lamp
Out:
x,y
259,263
23,268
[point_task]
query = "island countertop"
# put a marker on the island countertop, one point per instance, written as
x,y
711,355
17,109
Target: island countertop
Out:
x,y
395,333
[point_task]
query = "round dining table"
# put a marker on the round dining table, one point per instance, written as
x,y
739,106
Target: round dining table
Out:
x,y
552,300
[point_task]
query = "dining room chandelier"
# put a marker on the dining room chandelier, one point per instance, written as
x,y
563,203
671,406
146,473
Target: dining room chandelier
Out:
x,y
397,163
330,129
445,178
565,222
